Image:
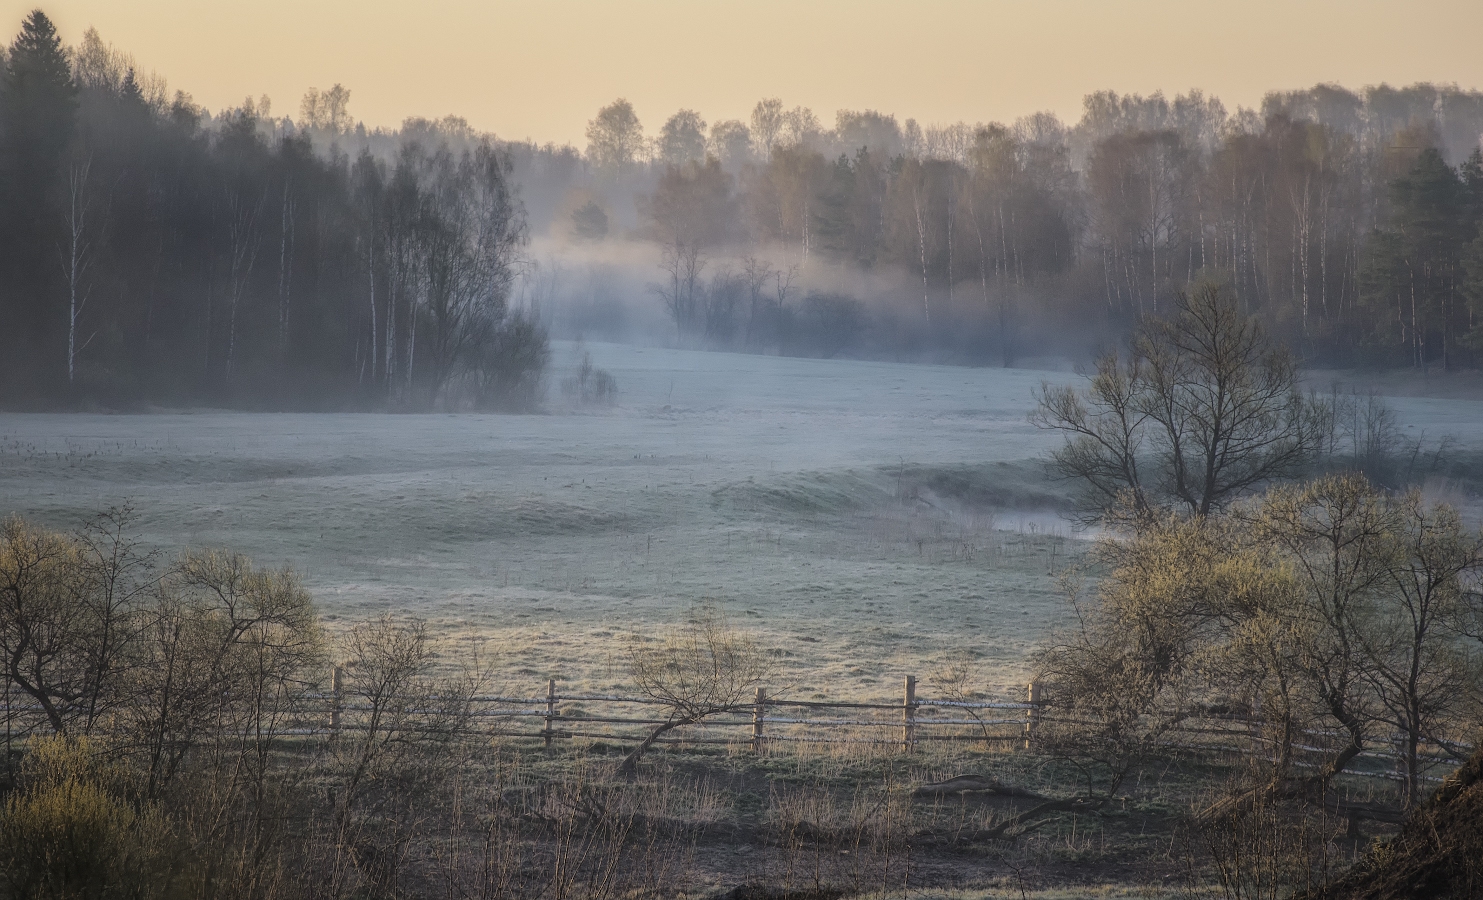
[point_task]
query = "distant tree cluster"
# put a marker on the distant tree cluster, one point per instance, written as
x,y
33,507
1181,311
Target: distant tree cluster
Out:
x,y
1335,217
154,253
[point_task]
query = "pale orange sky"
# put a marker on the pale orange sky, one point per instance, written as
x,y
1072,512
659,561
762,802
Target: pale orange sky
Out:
x,y
541,70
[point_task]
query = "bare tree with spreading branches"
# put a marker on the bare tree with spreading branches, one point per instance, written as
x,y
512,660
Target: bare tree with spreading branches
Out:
x,y
706,668
1203,409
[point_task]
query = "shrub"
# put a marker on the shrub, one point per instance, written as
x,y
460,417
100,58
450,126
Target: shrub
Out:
x,y
591,384
71,831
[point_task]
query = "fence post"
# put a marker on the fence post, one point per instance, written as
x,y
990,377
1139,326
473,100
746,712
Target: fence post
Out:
x,y
759,711
549,731
909,714
1259,747
337,698
1032,715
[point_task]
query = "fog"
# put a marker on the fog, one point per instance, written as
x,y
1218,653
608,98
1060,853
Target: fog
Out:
x,y
787,268
258,257
858,503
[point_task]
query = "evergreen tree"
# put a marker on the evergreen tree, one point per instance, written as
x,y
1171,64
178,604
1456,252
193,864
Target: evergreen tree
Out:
x,y
40,98
1472,256
38,107
1413,266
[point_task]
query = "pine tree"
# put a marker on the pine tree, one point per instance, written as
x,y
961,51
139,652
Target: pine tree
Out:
x,y
38,108
130,91
39,99
1472,257
1413,266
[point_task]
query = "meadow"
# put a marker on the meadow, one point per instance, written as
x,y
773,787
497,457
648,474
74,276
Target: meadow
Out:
x,y
866,519
863,520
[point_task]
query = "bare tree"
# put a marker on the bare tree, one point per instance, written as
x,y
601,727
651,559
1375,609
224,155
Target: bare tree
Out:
x,y
286,235
122,581
705,668
1126,670
244,238
98,65
730,142
1202,410
68,606
325,110
682,139
222,663
767,125
509,362
800,127
400,218
756,274
470,235
411,722
682,290
1139,184
718,306
1423,680
1287,607
388,664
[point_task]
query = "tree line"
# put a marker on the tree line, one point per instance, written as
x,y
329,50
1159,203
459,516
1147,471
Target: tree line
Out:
x,y
1348,223
156,253
159,252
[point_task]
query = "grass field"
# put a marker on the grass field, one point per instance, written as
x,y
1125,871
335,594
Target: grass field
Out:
x,y
867,519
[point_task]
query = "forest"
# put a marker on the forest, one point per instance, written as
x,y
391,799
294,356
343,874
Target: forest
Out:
x,y
158,253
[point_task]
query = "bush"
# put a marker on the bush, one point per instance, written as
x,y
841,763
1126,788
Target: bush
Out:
x,y
825,325
509,364
1261,850
71,831
591,384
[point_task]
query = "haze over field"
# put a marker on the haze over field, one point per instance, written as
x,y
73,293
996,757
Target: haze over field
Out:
x,y
854,503
763,277
899,508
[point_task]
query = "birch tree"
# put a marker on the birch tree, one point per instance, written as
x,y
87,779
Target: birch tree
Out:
x,y
78,254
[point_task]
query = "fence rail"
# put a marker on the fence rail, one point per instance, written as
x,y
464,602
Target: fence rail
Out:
x,y
764,721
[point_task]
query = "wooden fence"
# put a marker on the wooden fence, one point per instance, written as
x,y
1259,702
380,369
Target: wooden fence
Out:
x,y
768,723
765,721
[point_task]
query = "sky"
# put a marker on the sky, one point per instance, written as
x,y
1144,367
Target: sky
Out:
x,y
541,70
